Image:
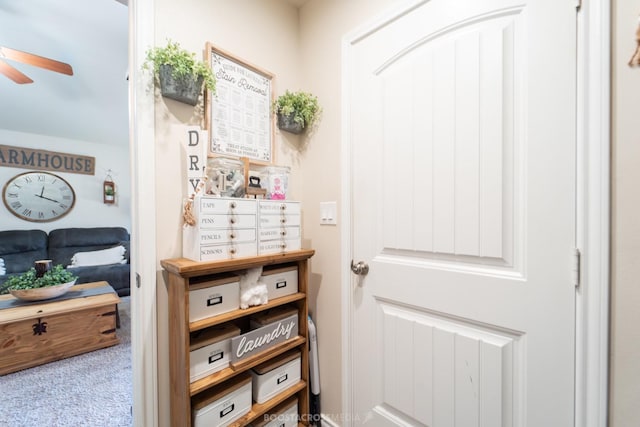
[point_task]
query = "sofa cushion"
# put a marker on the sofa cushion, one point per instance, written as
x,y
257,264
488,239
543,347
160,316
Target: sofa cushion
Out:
x,y
113,255
65,242
21,248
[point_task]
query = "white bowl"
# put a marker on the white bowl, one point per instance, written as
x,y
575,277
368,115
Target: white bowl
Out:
x,y
39,294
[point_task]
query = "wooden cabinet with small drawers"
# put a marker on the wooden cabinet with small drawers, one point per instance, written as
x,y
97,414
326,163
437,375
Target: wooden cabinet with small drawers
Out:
x,y
279,226
225,228
228,228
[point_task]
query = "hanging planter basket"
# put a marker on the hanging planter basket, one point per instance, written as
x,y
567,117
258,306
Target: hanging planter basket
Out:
x,y
287,124
185,90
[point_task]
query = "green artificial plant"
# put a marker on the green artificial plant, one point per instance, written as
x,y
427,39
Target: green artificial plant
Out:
x,y
302,106
29,280
182,62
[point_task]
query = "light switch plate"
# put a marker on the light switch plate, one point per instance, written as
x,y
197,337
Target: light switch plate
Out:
x,y
328,213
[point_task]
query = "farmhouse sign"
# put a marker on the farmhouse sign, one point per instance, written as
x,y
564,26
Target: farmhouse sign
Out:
x,y
260,339
26,158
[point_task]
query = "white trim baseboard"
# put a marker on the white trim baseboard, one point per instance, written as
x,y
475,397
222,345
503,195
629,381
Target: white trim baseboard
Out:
x,y
327,421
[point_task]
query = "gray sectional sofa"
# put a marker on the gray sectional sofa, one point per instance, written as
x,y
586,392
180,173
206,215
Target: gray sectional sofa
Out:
x,y
21,248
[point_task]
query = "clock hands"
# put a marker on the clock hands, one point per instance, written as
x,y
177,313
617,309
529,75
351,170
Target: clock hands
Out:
x,y
42,192
46,198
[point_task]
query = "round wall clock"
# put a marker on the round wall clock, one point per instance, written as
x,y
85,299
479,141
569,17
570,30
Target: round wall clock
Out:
x,y
38,196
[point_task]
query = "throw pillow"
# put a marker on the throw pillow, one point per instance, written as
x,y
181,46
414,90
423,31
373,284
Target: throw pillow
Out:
x,y
102,257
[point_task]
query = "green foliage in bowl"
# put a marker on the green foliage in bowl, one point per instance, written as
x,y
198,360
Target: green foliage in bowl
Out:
x,y
28,280
302,105
182,62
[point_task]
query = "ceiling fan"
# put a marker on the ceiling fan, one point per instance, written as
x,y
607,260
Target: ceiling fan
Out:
x,y
31,59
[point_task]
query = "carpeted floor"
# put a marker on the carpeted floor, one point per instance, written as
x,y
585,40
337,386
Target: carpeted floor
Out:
x,y
93,389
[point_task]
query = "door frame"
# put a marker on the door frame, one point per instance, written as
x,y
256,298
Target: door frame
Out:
x,y
143,213
592,210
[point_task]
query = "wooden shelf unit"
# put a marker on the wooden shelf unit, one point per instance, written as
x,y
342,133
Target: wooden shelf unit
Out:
x,y
180,273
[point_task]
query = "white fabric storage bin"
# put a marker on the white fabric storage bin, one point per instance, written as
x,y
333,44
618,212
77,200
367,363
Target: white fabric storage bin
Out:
x,y
271,316
283,415
210,350
280,281
224,404
275,376
214,297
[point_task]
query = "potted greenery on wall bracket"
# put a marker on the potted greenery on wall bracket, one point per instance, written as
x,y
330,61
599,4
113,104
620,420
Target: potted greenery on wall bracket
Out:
x,y
179,74
296,111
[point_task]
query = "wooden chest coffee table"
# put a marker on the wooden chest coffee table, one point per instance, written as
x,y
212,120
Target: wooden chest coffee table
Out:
x,y
82,320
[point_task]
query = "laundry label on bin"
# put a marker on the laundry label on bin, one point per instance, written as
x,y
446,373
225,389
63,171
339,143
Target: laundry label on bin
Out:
x,y
262,338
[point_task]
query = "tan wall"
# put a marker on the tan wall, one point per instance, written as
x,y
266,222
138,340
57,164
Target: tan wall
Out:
x,y
303,49
625,267
264,33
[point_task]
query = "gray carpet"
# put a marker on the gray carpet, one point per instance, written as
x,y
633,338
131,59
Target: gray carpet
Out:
x,y
93,389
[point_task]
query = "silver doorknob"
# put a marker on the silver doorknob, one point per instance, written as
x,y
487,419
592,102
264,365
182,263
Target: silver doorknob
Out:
x,y
361,268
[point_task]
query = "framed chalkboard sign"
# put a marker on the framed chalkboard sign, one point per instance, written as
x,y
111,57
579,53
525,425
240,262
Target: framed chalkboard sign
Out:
x,y
239,116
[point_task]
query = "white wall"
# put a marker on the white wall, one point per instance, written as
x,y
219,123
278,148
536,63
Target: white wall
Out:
x,y
89,210
625,246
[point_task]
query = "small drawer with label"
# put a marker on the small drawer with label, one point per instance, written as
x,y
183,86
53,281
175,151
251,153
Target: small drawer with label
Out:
x,y
227,251
223,404
275,375
210,349
280,281
271,207
279,233
221,205
227,235
279,246
226,221
214,297
279,220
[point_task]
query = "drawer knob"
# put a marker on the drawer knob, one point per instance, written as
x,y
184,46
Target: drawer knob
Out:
x,y
233,205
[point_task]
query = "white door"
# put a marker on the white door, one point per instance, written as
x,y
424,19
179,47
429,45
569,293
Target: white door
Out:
x,y
462,136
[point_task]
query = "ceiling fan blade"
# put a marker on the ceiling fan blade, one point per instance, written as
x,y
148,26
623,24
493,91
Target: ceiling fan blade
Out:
x,y
38,61
13,73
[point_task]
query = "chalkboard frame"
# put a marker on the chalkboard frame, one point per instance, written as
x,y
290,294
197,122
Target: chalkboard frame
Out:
x,y
218,146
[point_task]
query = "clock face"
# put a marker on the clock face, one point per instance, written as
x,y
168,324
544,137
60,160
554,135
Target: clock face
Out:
x,y
38,196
